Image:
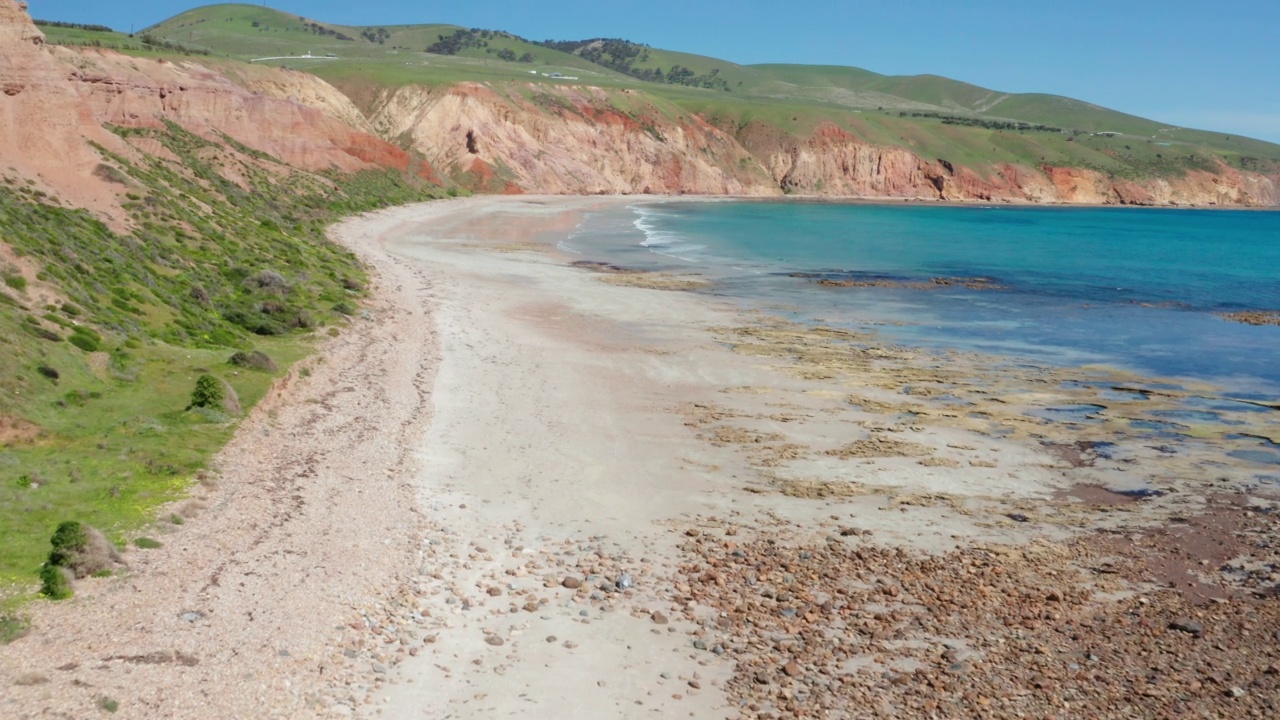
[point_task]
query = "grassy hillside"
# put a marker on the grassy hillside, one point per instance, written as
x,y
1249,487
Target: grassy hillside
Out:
x,y
933,116
387,55
103,333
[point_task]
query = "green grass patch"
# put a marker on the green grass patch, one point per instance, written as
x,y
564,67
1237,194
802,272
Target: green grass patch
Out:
x,y
210,268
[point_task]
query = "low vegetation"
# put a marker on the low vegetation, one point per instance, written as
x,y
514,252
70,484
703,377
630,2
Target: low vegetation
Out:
x,y
79,551
105,333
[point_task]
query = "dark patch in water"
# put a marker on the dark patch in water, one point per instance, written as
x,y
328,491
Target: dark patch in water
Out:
x,y
1083,413
1262,457
1123,395
847,279
1140,493
604,267
1265,441
1195,416
1159,427
1227,405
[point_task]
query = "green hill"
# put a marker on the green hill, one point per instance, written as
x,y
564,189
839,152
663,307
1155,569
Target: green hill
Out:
x,y
932,115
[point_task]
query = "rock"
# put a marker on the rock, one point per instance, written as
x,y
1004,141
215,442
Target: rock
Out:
x,y
624,582
659,618
695,684
791,669
571,583
494,640
1236,692
700,644
191,616
1187,625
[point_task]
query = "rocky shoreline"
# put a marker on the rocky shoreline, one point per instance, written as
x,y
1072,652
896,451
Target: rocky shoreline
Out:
x,y
519,488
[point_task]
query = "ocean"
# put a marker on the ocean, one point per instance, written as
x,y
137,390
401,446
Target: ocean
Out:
x,y
1143,290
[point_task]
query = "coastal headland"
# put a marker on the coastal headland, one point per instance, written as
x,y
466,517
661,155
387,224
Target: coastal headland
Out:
x,y
520,487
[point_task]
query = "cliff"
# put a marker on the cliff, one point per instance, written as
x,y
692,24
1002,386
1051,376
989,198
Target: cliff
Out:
x,y
567,141
56,103
584,140
518,137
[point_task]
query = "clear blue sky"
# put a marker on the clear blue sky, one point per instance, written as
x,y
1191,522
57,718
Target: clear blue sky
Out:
x,y
1212,65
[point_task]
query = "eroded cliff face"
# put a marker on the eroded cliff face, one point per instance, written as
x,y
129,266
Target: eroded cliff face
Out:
x,y
532,138
567,141
833,162
575,140
56,101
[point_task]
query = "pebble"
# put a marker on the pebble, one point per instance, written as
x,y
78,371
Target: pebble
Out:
x,y
494,640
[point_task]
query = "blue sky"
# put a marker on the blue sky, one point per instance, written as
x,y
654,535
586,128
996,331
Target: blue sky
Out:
x,y
1212,65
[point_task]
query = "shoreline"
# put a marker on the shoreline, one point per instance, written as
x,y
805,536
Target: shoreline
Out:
x,y
520,489
899,201
758,416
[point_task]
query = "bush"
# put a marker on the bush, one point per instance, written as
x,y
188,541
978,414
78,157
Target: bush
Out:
x,y
78,551
147,543
67,541
49,372
85,339
207,393
17,282
55,582
255,360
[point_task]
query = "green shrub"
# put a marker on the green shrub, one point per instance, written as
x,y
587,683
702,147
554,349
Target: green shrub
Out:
x,y
85,339
49,372
42,333
147,543
207,393
67,540
54,583
256,360
17,282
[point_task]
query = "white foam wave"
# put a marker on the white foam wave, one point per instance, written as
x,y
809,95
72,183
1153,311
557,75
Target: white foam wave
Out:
x,y
661,242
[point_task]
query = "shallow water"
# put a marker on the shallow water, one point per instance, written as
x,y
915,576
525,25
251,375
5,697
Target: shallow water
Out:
x,y
1139,289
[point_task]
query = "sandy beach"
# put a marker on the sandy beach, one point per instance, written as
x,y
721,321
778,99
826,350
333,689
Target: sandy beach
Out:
x,y
517,487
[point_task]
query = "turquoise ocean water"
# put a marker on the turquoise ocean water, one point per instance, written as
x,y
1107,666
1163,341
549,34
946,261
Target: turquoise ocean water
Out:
x,y
1140,289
